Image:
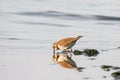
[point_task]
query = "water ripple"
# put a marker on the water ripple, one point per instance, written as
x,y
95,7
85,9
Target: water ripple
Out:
x,y
44,23
68,16
10,38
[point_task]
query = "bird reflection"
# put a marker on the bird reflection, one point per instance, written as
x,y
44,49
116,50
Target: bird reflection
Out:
x,y
65,61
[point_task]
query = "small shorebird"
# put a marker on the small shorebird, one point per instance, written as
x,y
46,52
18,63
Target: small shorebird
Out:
x,y
65,61
65,44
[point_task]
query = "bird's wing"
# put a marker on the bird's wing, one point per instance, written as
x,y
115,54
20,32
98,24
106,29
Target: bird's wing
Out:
x,y
66,41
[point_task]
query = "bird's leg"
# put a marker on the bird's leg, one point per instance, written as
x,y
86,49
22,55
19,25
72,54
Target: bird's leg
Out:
x,y
71,52
53,51
66,52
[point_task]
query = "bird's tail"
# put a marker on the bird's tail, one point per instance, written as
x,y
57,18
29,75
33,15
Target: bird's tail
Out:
x,y
79,69
78,37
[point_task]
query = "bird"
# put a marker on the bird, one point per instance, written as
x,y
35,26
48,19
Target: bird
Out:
x,y
65,61
65,44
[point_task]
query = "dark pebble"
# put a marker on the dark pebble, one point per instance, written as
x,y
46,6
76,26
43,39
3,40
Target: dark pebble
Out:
x,y
106,67
91,52
115,74
77,52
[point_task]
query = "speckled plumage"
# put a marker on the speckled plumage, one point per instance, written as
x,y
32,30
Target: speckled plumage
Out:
x,y
65,44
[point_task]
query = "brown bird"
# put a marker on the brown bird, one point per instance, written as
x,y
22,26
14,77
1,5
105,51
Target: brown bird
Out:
x,y
65,44
65,61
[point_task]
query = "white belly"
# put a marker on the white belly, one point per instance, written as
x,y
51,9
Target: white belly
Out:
x,y
61,47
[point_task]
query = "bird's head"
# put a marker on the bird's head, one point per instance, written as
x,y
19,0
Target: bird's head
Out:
x,y
55,46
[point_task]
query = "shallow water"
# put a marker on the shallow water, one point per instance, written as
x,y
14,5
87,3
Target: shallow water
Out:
x,y
30,23
31,26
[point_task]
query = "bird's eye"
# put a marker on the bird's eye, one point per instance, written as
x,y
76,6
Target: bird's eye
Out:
x,y
57,48
57,56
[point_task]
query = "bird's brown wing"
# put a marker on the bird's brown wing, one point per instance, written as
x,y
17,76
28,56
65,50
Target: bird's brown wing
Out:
x,y
66,41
